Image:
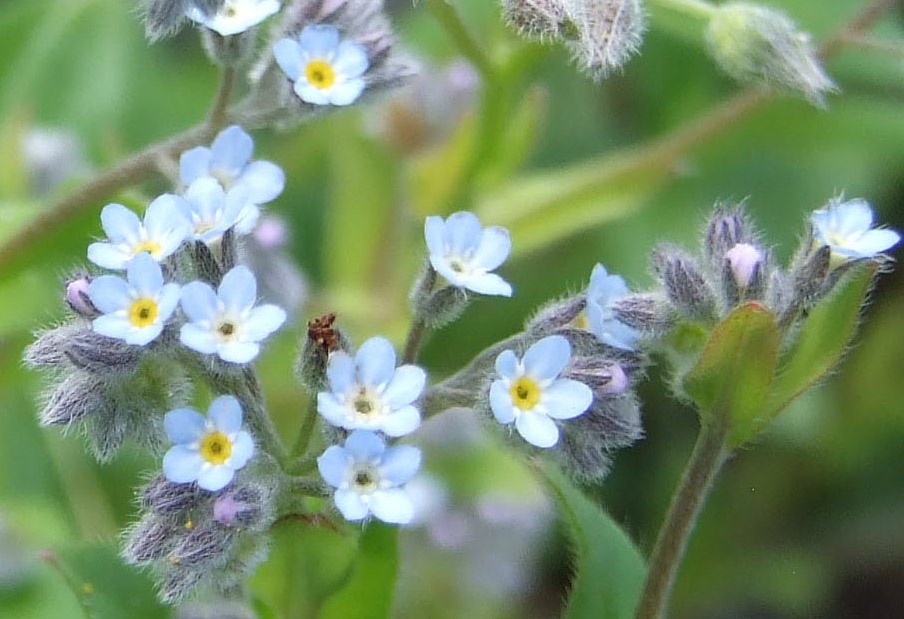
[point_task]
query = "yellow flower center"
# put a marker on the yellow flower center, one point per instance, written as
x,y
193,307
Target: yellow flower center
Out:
x,y
143,312
216,448
581,321
525,393
151,247
202,227
320,74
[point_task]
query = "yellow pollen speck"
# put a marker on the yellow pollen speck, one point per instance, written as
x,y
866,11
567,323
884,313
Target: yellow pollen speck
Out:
x,y
175,560
581,321
320,74
151,247
88,588
525,393
189,524
143,312
216,448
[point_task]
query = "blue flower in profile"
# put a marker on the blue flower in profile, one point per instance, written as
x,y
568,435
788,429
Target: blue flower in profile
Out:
x,y
160,234
208,450
234,16
137,308
228,160
464,252
369,392
530,393
325,69
602,294
368,477
227,322
847,228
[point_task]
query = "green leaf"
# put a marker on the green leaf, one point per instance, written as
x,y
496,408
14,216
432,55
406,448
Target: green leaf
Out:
x,y
735,371
609,570
822,340
368,594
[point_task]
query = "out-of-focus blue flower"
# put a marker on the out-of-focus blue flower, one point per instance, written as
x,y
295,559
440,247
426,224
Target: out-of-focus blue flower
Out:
x,y
228,161
464,252
208,450
136,309
235,16
368,477
325,69
530,393
160,234
226,322
369,392
847,228
604,290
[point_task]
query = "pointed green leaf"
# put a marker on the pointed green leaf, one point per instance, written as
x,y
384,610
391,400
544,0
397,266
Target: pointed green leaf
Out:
x,y
735,372
609,570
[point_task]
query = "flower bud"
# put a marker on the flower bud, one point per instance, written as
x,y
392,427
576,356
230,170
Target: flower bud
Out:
x,y
443,306
544,20
240,507
556,315
207,267
645,312
77,296
148,540
98,354
78,396
609,33
606,378
753,43
727,226
228,51
205,544
48,350
271,233
179,582
684,284
322,339
169,498
745,262
809,275
164,17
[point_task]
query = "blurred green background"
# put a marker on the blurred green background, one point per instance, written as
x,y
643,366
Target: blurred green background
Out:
x,y
809,522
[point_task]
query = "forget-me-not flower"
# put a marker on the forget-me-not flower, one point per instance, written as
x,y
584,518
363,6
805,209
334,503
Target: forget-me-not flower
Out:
x,y
137,308
600,316
326,70
369,392
847,228
160,234
211,210
208,450
226,322
234,16
368,477
464,252
530,393
228,160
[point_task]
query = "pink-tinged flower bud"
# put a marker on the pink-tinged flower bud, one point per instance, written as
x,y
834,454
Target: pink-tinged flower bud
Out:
x,y
271,233
744,260
77,296
618,381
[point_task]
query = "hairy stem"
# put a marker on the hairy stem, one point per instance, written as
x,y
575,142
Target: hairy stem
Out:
x,y
447,15
216,118
419,322
710,452
306,430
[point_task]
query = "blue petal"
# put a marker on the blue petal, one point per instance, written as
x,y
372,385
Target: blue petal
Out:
x,y
350,505
319,41
401,422
193,164
182,465
311,94
144,275
392,506
238,290
405,387
375,361
501,403
346,93
463,232
199,302
238,352
165,217
333,466
205,197
331,409
264,180
566,399
242,451
441,265
400,463
198,338
263,321
108,256
143,335
120,224
167,301
618,334
184,426
288,55
488,283
112,325
853,216
341,372
214,478
876,241
364,446
537,429
231,150
547,358
225,413
110,293
507,364
494,247
435,235
351,60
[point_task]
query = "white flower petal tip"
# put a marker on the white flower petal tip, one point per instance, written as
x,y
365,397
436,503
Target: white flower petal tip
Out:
x,y
603,292
235,16
530,393
207,450
137,308
325,69
369,477
847,229
226,322
368,392
465,253
160,234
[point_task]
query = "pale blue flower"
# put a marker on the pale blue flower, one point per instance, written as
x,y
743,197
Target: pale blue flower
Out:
x,y
137,308
530,393
211,211
208,450
228,161
235,16
326,70
602,294
160,234
369,392
368,477
847,228
464,252
227,322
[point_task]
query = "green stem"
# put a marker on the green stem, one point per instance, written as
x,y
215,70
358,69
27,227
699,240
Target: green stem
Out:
x,y
306,431
447,15
216,118
78,590
710,452
419,323
694,8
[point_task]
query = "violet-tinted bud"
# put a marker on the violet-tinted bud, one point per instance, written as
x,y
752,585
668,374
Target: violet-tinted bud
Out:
x,y
271,232
744,260
241,506
77,296
727,227
166,497
684,283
